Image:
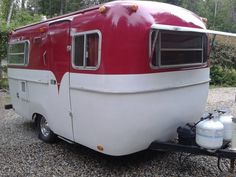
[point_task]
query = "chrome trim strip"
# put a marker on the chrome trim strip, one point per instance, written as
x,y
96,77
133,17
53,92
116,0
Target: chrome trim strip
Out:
x,y
188,29
29,80
138,91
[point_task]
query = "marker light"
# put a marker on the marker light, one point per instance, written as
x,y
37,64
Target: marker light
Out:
x,y
102,9
134,7
100,148
205,20
42,30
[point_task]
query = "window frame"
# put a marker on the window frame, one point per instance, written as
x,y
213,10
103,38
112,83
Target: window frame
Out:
x,y
85,33
26,55
158,51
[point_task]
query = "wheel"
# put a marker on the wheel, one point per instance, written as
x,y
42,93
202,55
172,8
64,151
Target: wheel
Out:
x,y
45,133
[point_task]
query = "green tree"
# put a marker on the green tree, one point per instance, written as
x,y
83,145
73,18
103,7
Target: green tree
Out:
x,y
19,17
53,8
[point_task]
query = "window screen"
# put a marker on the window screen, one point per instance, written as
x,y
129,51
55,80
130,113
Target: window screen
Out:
x,y
18,53
79,51
86,50
173,49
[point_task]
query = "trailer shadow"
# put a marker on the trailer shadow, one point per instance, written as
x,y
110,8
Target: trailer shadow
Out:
x,y
144,163
138,163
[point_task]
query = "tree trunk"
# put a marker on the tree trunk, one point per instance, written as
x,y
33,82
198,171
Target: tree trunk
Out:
x,y
50,8
10,13
66,6
215,13
0,27
22,4
61,9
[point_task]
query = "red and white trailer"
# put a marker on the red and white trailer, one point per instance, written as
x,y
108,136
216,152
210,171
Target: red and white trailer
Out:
x,y
114,78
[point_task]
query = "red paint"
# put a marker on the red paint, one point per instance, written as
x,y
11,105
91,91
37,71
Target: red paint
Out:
x,y
125,37
59,57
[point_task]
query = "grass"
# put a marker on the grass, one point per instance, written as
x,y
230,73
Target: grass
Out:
x,y
214,86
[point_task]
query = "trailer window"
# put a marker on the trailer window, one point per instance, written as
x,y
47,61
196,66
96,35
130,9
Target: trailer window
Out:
x,y
86,50
176,49
18,53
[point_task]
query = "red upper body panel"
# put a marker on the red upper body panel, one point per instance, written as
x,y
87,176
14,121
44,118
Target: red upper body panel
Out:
x,y
125,35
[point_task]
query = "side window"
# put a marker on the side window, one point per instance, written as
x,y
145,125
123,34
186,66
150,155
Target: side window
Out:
x,y
86,50
18,53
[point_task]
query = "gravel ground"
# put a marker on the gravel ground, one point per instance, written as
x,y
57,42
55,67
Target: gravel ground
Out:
x,y
22,154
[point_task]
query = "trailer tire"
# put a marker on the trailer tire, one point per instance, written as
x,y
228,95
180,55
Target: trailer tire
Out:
x,y
44,132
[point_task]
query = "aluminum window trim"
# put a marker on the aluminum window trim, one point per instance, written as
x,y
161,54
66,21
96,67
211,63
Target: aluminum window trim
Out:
x,y
85,33
184,50
16,54
203,49
179,65
155,48
26,55
158,54
158,58
189,29
85,50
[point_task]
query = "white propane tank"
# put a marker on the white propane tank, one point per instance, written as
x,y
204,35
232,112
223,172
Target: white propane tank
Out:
x,y
226,120
233,143
209,133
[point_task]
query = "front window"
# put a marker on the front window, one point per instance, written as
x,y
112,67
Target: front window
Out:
x,y
177,49
18,53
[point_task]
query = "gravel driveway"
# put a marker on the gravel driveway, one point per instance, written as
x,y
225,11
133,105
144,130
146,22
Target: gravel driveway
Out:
x,y
22,154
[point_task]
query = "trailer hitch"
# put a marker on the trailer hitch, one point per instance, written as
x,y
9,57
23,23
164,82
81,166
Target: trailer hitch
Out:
x,y
223,153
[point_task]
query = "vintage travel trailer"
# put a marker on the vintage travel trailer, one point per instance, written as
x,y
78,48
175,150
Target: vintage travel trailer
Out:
x,y
114,77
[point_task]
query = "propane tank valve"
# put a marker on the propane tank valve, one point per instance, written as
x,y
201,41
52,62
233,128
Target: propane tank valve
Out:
x,y
233,143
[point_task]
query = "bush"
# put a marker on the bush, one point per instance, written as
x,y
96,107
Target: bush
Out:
x,y
4,83
223,61
223,76
3,44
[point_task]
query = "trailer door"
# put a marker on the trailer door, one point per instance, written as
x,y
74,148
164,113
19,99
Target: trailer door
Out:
x,y
60,120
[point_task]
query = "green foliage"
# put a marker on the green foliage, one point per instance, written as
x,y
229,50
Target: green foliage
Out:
x,y
24,17
3,81
223,76
3,44
5,6
53,8
224,55
223,61
19,18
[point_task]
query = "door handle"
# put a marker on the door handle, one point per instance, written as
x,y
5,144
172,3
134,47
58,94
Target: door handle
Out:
x,y
17,95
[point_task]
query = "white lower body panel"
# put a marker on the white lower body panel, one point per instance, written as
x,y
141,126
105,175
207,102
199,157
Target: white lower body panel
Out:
x,y
122,113
125,114
43,98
